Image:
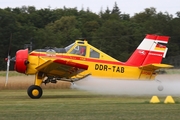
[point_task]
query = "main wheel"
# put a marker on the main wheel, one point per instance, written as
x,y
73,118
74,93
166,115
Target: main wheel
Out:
x,y
34,91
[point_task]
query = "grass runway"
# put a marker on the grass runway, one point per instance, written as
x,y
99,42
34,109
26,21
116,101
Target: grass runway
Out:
x,y
72,104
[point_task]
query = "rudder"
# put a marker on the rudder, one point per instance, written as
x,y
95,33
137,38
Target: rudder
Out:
x,y
157,51
151,50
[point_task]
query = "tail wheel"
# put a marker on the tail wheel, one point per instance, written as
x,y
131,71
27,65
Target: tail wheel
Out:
x,y
160,87
35,91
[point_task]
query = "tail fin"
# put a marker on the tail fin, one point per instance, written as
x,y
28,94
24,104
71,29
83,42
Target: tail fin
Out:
x,y
151,50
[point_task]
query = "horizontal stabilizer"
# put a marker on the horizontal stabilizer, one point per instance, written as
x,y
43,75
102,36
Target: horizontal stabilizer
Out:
x,y
155,66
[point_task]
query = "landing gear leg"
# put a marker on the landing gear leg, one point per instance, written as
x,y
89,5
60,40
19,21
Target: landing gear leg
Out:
x,y
35,91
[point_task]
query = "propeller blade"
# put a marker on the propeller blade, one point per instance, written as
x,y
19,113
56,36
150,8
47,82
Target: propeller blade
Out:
x,y
8,60
7,72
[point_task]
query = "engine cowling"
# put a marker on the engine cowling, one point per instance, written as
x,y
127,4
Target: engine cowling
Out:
x,y
21,61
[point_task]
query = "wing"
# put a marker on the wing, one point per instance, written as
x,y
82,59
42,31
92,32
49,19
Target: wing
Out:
x,y
155,66
61,68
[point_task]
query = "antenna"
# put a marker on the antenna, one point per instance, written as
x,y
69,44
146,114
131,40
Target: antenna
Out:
x,y
29,46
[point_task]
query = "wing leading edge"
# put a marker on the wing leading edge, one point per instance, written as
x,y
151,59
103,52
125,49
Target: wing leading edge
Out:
x,y
62,68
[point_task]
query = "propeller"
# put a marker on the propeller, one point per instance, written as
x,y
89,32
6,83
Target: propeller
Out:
x,y
7,71
20,59
8,59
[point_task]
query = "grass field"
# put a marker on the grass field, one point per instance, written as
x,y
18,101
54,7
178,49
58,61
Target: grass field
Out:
x,y
60,103
70,104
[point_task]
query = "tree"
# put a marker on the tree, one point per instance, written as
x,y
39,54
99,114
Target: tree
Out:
x,y
8,26
61,32
116,9
109,38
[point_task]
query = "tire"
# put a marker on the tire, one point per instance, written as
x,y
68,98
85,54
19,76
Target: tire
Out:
x,y
160,88
34,91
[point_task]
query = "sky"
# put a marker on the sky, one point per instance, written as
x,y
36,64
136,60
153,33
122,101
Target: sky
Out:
x,y
126,6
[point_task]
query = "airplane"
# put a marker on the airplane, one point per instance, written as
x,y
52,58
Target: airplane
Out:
x,y
80,60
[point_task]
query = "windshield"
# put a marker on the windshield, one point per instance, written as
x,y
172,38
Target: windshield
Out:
x,y
69,47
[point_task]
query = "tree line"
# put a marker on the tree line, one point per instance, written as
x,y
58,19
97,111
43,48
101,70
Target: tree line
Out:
x,y
115,33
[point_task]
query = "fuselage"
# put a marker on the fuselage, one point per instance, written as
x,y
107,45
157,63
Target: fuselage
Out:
x,y
99,63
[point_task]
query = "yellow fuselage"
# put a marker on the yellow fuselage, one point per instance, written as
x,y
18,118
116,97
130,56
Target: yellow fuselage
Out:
x,y
97,67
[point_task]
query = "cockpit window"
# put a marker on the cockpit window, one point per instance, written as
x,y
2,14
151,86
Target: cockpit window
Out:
x,y
94,54
51,52
69,47
79,50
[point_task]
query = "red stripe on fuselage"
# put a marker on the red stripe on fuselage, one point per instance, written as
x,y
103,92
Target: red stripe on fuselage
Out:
x,y
58,56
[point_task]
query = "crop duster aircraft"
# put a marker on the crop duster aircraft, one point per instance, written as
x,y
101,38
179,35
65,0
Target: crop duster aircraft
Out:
x,y
80,59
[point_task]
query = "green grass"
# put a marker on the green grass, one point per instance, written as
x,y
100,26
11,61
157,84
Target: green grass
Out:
x,y
60,104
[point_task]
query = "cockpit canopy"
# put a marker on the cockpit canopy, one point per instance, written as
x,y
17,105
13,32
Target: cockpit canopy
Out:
x,y
55,49
79,47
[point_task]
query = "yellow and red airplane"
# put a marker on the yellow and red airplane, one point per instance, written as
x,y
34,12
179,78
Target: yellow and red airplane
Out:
x,y
80,60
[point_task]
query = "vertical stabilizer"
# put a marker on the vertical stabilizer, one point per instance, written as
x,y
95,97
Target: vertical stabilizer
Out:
x,y
157,51
151,50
